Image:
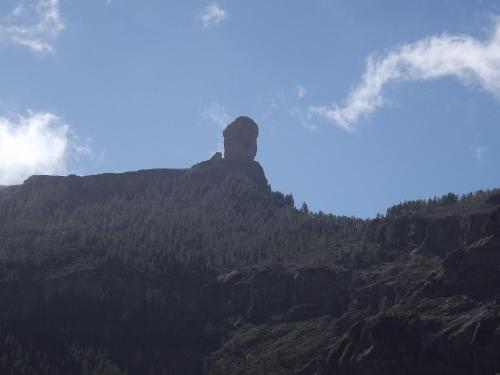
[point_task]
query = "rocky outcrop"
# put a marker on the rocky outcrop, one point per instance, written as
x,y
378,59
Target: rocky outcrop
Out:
x,y
240,139
240,148
433,234
215,170
281,294
216,157
473,269
406,343
431,306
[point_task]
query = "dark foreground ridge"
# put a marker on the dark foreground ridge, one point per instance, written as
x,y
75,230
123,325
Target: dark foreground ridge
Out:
x,y
206,270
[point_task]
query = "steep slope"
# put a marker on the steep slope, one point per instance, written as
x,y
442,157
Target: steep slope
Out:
x,y
423,299
125,269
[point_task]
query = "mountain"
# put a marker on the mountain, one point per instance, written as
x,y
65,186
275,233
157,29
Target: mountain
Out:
x,y
207,270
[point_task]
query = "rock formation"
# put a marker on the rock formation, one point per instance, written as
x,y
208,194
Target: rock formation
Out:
x,y
240,139
216,157
240,148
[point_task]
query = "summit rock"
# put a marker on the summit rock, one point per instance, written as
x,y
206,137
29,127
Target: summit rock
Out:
x,y
240,139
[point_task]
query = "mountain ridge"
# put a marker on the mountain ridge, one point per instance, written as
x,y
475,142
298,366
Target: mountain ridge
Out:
x,y
206,270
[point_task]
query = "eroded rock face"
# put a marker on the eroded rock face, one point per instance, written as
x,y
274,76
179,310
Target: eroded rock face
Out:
x,y
240,139
473,269
283,295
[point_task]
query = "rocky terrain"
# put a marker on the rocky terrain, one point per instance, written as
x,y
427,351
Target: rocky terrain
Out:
x,y
208,271
429,307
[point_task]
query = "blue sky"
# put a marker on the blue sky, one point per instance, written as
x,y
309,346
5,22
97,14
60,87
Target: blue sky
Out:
x,y
361,104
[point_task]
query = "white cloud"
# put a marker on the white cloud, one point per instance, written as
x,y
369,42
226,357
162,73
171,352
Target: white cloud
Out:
x,y
301,91
303,118
38,143
460,56
479,152
212,15
217,115
33,24
281,104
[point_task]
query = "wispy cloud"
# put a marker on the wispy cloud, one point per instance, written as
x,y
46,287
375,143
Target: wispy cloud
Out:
x,y
219,117
38,143
300,91
217,114
460,56
303,118
212,15
479,152
33,24
288,105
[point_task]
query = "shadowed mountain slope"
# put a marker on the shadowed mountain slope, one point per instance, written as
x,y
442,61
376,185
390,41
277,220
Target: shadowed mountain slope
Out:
x,y
208,271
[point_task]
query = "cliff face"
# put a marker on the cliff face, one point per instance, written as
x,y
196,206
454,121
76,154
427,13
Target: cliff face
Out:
x,y
438,306
430,306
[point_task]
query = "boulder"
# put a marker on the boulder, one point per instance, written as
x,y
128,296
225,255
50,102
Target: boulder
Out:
x,y
240,139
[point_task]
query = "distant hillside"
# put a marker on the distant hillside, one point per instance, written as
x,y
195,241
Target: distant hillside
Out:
x,y
208,271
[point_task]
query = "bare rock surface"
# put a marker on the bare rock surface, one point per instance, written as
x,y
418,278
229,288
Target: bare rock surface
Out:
x,y
240,139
